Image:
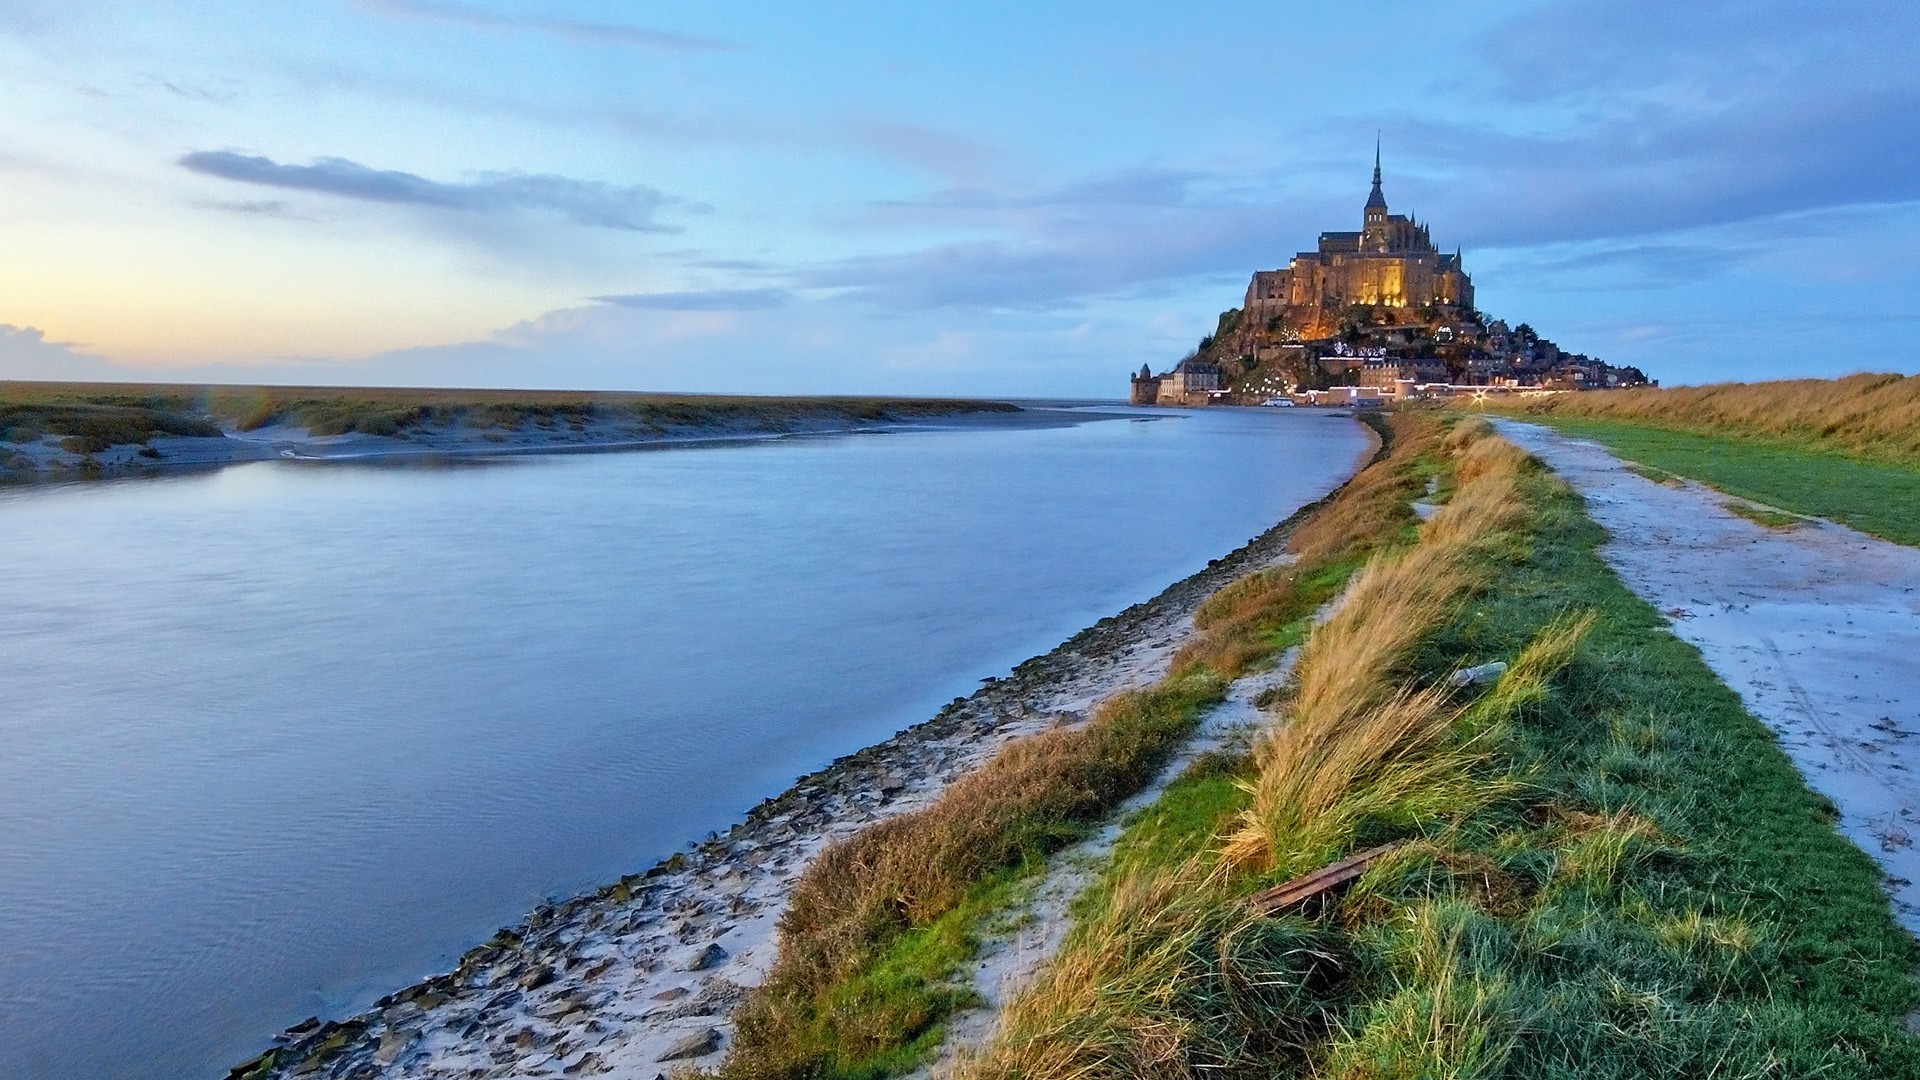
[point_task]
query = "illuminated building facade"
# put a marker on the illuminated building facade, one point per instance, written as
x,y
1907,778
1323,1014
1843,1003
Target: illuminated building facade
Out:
x,y
1391,261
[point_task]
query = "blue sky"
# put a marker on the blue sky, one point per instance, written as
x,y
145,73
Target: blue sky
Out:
x,y
987,198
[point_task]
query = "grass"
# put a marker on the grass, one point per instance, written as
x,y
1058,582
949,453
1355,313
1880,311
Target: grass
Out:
x,y
134,412
859,989
878,922
1626,878
87,428
1874,417
1658,476
1872,496
1760,515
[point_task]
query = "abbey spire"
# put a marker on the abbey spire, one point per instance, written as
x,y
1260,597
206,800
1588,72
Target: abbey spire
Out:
x,y
1377,200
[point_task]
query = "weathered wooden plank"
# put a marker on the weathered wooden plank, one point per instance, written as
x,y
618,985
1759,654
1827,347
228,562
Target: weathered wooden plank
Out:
x,y
1321,881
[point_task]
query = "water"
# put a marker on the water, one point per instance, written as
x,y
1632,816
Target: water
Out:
x,y
277,739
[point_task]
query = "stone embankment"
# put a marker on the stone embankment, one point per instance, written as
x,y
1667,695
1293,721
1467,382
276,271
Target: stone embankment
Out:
x,y
644,973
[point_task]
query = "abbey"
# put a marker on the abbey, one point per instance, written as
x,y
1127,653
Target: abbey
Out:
x,y
1376,314
1390,262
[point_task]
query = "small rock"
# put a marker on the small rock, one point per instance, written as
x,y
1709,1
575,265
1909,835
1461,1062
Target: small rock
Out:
x,y
537,978
672,993
392,1045
696,1045
1477,676
560,1009
708,957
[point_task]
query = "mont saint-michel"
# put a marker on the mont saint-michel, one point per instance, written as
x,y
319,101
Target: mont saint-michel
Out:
x,y
1375,313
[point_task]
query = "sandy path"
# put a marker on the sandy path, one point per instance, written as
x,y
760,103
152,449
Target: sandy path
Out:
x,y
1033,932
1816,627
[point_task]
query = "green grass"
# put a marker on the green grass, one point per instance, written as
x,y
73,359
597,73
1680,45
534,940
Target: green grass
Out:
x,y
1662,896
1875,497
1608,971
1772,519
879,924
914,983
1658,476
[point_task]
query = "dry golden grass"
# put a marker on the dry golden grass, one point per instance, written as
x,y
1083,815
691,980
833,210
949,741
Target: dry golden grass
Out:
x,y
1359,746
1107,1007
861,894
1370,512
1372,508
1873,416
1360,751
1235,623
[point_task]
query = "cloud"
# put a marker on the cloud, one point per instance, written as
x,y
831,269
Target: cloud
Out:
x,y
1130,233
581,32
955,158
261,207
25,353
226,94
1611,119
703,300
584,202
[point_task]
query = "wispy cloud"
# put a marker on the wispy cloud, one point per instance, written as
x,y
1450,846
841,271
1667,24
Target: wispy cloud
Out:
x,y
955,158
584,202
261,207
703,300
580,31
1129,233
225,93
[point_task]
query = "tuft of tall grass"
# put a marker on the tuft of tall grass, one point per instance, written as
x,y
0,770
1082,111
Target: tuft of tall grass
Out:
x,y
1171,977
1360,749
1446,1009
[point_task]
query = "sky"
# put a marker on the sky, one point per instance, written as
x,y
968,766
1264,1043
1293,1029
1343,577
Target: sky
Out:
x,y
985,198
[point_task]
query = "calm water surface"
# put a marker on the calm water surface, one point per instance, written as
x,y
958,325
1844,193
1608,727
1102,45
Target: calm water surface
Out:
x,y
277,739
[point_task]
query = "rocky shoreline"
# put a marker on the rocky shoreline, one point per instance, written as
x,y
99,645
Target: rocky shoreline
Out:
x,y
644,972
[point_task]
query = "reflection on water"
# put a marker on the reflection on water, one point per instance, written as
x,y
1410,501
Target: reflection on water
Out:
x,y
282,737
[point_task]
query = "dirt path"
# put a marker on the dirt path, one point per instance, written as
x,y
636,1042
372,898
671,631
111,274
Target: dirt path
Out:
x,y
1033,931
1815,626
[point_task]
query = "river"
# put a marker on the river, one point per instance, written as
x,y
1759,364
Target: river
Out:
x,y
278,738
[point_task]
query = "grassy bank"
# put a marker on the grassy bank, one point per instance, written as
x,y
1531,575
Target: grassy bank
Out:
x,y
1606,869
1870,417
879,925
1872,496
132,413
